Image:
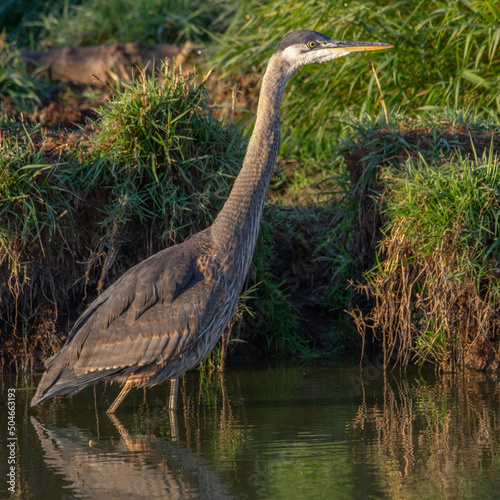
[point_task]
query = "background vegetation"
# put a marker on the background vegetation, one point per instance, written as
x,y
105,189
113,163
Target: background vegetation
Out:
x,y
445,56
323,226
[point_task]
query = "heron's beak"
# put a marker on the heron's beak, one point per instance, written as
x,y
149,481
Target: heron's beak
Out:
x,y
347,46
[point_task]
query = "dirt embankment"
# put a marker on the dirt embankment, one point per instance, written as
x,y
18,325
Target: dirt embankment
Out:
x,y
410,304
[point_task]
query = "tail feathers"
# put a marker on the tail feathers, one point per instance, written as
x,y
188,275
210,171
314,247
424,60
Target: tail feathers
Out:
x,y
56,366
67,384
56,389
60,379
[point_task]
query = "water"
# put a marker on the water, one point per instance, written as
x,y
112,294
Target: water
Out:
x,y
272,433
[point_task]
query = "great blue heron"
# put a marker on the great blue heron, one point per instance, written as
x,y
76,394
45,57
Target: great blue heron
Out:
x,y
165,315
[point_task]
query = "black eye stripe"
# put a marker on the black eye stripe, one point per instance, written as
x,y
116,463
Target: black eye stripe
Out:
x,y
302,37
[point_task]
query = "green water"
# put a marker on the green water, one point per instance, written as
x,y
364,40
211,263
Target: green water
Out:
x,y
295,432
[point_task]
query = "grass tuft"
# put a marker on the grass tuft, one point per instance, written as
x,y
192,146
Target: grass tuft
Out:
x,y
434,289
170,162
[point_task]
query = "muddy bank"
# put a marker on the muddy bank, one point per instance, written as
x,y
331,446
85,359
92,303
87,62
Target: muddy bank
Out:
x,y
428,206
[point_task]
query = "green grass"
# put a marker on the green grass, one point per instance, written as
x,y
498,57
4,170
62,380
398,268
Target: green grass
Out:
x,y
31,190
62,23
448,215
25,91
445,55
169,159
436,205
19,19
273,318
96,22
434,290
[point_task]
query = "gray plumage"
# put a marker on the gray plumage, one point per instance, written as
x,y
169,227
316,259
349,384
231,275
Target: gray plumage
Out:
x,y
165,315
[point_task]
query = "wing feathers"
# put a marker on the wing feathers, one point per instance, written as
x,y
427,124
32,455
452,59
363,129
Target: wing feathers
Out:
x,y
159,334
150,317
155,312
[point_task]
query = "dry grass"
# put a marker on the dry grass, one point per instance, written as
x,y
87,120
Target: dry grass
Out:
x,y
432,217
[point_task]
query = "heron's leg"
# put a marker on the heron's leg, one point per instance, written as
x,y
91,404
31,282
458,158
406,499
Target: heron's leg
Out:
x,y
225,340
174,386
174,429
126,389
172,406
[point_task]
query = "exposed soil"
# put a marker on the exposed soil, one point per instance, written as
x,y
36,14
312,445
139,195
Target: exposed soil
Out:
x,y
456,136
390,311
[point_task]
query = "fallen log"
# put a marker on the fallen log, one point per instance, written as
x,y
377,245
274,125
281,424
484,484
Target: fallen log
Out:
x,y
107,62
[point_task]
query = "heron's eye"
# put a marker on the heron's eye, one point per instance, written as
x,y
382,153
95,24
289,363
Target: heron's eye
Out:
x,y
311,45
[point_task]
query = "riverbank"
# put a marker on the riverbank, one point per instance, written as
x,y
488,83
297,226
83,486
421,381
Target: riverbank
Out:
x,y
385,225
85,202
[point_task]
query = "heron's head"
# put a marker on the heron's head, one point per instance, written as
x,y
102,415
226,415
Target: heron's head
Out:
x,y
302,47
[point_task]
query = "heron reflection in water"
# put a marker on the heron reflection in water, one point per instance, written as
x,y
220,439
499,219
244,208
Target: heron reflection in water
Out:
x,y
165,315
134,466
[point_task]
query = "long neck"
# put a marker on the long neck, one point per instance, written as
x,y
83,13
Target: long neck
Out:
x,y
236,227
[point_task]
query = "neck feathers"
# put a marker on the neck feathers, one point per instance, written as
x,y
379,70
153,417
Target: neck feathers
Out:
x,y
236,228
